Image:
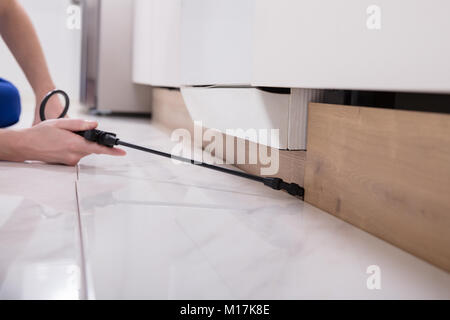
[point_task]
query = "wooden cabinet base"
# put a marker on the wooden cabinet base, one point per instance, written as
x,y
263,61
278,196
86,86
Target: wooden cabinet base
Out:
x,y
170,112
384,171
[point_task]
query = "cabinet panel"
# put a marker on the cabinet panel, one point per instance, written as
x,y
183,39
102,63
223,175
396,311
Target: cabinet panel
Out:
x,y
156,59
248,109
395,45
216,42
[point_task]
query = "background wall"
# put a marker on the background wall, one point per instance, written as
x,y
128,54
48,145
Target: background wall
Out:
x,y
62,47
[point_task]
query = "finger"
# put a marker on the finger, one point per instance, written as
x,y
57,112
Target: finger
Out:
x,y
99,149
75,124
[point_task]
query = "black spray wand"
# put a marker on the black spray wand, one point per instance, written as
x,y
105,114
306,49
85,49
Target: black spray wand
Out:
x,y
110,140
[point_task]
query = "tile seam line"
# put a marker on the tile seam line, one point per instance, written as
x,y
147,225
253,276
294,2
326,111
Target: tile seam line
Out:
x,y
85,293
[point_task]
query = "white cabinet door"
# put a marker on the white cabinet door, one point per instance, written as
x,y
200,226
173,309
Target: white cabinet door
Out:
x,y
216,42
242,112
156,58
394,45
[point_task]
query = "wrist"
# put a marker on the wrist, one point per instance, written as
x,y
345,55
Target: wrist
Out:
x,y
42,91
13,147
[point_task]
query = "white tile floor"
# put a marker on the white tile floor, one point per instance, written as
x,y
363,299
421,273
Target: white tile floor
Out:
x,y
151,229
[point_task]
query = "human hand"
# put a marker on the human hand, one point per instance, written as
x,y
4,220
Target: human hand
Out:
x,y
54,141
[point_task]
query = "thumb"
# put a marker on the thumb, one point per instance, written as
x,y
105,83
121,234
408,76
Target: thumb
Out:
x,y
75,124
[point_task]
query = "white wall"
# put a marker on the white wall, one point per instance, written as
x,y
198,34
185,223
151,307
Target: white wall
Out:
x,y
62,48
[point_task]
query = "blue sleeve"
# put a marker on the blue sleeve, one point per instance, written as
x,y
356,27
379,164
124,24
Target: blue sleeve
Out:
x,y
10,107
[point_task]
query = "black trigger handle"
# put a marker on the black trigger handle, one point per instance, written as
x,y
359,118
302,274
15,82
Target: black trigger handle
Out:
x,y
103,138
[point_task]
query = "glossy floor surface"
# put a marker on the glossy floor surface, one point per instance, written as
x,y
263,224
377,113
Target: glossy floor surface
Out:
x,y
142,227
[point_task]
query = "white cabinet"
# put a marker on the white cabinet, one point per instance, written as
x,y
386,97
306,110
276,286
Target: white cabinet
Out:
x,y
249,112
327,44
156,54
354,44
193,42
242,112
216,42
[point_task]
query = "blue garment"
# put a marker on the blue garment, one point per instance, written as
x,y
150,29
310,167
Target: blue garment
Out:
x,y
9,104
